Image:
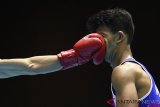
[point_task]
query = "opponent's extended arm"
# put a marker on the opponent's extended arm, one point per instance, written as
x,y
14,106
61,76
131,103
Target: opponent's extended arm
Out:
x,y
92,46
29,66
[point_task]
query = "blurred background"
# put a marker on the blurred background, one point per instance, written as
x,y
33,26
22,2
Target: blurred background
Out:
x,y
30,28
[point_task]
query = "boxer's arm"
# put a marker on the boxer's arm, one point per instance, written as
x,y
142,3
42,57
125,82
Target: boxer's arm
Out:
x,y
124,84
90,47
29,66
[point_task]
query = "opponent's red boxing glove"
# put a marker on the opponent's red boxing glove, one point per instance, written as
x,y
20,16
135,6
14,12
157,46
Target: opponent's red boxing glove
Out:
x,y
92,46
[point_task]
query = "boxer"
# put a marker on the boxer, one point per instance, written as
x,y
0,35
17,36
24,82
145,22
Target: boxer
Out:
x,y
130,80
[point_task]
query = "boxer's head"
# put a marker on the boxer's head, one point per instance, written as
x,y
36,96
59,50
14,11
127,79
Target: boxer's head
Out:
x,y
117,27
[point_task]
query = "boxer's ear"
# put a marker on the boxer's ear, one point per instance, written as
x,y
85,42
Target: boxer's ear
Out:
x,y
120,37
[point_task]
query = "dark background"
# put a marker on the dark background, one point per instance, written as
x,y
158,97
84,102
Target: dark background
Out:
x,y
31,28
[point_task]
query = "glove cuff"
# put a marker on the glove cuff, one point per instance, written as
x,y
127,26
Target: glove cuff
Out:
x,y
68,59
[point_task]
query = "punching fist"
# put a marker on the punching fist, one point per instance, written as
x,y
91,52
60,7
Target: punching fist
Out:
x,y
90,47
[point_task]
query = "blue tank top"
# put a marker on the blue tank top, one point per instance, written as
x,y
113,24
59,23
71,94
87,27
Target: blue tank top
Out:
x,y
152,98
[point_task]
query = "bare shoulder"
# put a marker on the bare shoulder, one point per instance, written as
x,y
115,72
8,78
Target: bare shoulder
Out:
x,y
128,72
128,68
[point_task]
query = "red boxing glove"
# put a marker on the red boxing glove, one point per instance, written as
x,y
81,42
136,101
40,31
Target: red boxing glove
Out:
x,y
92,46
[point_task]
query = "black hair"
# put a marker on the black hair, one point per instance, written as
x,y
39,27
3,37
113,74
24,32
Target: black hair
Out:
x,y
116,19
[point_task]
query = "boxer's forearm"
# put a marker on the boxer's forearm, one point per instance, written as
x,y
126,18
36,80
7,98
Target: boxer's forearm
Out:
x,y
29,66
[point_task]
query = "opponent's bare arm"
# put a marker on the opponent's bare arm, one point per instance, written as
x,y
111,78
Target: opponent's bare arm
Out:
x,y
123,81
29,66
92,46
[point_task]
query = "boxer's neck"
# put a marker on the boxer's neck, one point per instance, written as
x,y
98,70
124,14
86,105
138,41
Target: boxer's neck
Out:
x,y
121,54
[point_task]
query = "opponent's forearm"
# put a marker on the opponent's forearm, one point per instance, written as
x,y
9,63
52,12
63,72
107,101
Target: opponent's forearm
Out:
x,y
13,67
29,66
44,64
